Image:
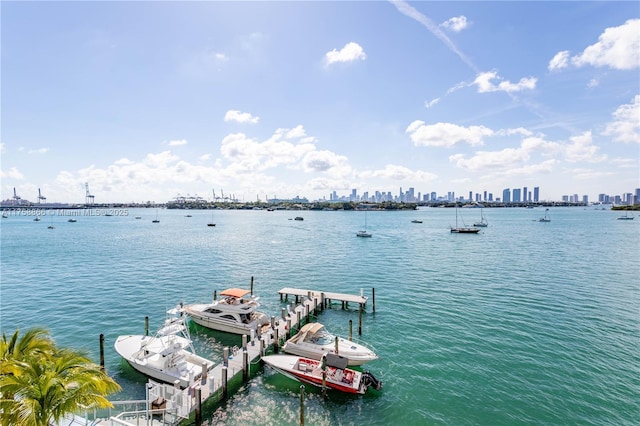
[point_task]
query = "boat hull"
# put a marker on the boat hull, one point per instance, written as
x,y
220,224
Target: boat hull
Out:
x,y
198,315
162,358
356,354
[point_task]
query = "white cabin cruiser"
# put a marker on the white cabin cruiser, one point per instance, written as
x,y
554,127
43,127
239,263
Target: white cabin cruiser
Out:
x,y
313,340
234,313
168,355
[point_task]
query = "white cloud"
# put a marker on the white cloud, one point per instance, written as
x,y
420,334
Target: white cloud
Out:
x,y
324,161
350,52
593,83
617,48
484,83
581,149
431,103
456,24
240,117
446,134
38,151
559,61
400,173
625,126
179,142
12,173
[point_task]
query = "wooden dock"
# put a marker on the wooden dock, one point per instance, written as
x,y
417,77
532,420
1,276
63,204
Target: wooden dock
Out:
x,y
169,405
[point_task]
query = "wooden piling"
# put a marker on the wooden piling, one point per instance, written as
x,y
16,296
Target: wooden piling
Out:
x,y
373,297
146,325
224,382
245,364
360,321
215,295
252,285
225,356
350,330
203,374
298,314
301,405
283,313
336,348
307,308
288,327
276,341
198,410
101,351
322,301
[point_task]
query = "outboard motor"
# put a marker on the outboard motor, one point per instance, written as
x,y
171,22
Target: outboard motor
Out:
x,y
370,381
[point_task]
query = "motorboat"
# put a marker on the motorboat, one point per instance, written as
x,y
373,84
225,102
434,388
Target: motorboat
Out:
x,y
313,340
234,313
330,372
168,356
416,221
298,218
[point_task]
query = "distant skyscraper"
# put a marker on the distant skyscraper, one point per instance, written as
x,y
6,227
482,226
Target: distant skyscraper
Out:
x,y
484,198
524,194
506,195
536,194
434,196
516,195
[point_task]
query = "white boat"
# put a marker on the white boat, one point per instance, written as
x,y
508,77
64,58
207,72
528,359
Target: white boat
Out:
x,y
463,229
336,374
364,233
234,313
483,221
546,217
313,340
168,356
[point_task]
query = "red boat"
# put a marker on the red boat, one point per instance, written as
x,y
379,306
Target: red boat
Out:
x,y
331,372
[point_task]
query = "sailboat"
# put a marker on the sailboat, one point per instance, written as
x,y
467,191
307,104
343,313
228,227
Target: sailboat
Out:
x,y
156,220
463,229
212,223
483,221
364,233
546,217
626,215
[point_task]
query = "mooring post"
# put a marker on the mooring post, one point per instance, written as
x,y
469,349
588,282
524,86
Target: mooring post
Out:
x,y
273,321
101,351
282,313
322,301
360,321
280,297
252,285
198,410
337,346
215,295
276,342
301,405
146,325
224,382
373,298
262,347
307,306
245,364
324,376
315,306
288,327
298,314
225,356
203,375
350,330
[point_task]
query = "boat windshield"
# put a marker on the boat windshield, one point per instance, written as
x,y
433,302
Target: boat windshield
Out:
x,y
323,337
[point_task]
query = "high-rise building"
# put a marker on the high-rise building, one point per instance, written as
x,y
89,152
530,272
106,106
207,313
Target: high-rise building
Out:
x,y
484,197
516,195
434,196
536,194
506,195
524,194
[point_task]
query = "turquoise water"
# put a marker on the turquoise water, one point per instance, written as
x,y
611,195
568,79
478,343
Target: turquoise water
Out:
x,y
524,323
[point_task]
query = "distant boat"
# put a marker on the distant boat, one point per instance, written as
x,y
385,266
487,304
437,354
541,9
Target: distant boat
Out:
x,y
298,218
5,215
463,229
138,217
72,220
546,217
212,223
416,221
483,221
364,234
626,215
36,219
156,220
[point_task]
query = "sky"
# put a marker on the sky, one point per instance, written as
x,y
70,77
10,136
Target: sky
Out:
x,y
145,100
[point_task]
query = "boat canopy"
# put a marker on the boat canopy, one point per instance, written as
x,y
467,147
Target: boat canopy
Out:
x,y
234,292
307,329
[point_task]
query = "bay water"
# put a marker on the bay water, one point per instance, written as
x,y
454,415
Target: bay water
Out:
x,y
523,323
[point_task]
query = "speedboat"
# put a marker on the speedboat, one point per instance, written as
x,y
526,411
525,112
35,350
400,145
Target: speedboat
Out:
x,y
168,356
330,372
234,313
313,340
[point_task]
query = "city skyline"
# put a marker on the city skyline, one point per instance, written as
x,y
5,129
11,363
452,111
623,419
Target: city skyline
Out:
x,y
147,100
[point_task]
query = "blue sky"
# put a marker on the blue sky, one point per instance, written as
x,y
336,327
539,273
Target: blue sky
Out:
x,y
147,100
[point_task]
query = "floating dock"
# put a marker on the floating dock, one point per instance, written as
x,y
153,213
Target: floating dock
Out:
x,y
169,405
